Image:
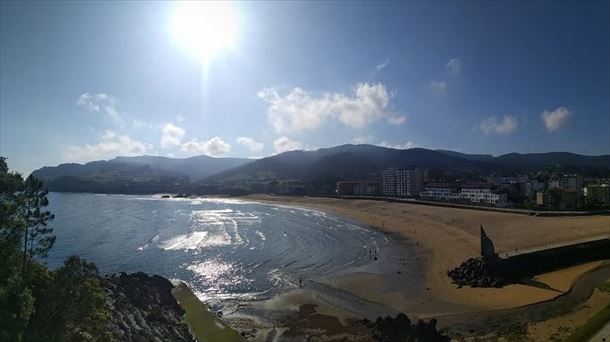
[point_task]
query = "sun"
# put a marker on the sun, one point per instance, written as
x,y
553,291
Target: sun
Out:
x,y
205,28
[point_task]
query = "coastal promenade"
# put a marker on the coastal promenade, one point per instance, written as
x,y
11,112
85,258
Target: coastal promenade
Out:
x,y
478,207
546,247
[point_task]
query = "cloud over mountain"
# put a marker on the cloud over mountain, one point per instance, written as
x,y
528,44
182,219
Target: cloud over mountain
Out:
x,y
302,110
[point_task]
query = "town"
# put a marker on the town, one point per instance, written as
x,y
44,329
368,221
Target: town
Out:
x,y
541,190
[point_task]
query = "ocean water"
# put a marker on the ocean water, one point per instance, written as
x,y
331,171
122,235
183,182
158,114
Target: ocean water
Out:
x,y
222,248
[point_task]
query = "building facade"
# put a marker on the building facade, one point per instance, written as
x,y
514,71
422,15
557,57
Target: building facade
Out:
x,y
530,188
570,183
560,199
402,182
470,194
484,195
358,188
597,194
440,192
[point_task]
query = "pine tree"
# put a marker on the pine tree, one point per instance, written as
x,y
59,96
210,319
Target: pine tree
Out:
x,y
37,236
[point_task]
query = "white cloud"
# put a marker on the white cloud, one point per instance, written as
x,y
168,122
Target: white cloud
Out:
x,y
492,125
172,135
383,64
454,66
215,147
407,145
101,103
554,120
283,144
141,124
250,144
301,110
112,145
439,87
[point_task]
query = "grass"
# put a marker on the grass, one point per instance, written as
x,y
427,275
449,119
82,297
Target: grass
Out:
x,y
203,324
592,326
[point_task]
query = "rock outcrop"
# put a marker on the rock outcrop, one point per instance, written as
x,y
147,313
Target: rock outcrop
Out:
x,y
401,328
476,272
143,309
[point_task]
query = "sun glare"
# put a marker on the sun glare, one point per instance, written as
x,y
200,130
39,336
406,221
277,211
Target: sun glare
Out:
x,y
205,28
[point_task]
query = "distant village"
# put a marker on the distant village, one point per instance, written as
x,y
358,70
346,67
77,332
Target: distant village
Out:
x,y
536,191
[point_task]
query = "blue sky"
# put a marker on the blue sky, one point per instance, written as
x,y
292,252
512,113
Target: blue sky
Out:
x,y
83,81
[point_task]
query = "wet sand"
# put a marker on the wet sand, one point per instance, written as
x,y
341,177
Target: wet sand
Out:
x,y
439,239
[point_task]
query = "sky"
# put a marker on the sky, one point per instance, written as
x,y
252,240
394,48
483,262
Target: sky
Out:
x,y
84,81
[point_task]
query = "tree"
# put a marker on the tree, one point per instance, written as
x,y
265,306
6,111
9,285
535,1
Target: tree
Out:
x,y
10,227
37,304
16,301
37,236
72,307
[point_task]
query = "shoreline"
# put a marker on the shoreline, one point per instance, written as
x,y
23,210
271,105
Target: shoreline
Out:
x,y
416,231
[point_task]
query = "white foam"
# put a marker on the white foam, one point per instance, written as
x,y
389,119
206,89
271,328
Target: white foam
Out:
x,y
154,239
193,240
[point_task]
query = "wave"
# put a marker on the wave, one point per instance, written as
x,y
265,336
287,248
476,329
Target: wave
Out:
x,y
147,244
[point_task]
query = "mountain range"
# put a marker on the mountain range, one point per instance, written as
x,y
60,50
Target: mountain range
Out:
x,y
323,167
142,174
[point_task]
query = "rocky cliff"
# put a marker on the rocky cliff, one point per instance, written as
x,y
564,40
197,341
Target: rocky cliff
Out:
x,y
143,309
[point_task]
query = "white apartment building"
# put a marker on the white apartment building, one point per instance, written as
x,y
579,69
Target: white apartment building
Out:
x,y
440,192
402,182
478,194
484,195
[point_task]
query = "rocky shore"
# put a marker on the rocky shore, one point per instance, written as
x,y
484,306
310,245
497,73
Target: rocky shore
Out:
x,y
143,309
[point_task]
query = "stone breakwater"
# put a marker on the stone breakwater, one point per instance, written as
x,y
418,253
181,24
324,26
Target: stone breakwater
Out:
x,y
476,272
497,272
143,309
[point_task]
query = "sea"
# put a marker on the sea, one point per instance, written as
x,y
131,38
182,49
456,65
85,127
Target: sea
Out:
x,y
223,248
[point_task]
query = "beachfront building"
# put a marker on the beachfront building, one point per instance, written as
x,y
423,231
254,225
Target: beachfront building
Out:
x,y
358,188
402,182
475,194
554,183
597,194
540,198
440,192
570,183
481,194
531,187
559,199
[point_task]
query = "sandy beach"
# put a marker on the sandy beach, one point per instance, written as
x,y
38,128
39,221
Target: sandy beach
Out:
x,y
439,239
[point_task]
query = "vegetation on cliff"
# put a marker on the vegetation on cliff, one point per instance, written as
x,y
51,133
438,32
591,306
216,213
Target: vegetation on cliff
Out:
x,y
72,303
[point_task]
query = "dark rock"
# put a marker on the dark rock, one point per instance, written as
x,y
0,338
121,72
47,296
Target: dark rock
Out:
x,y
144,309
476,273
